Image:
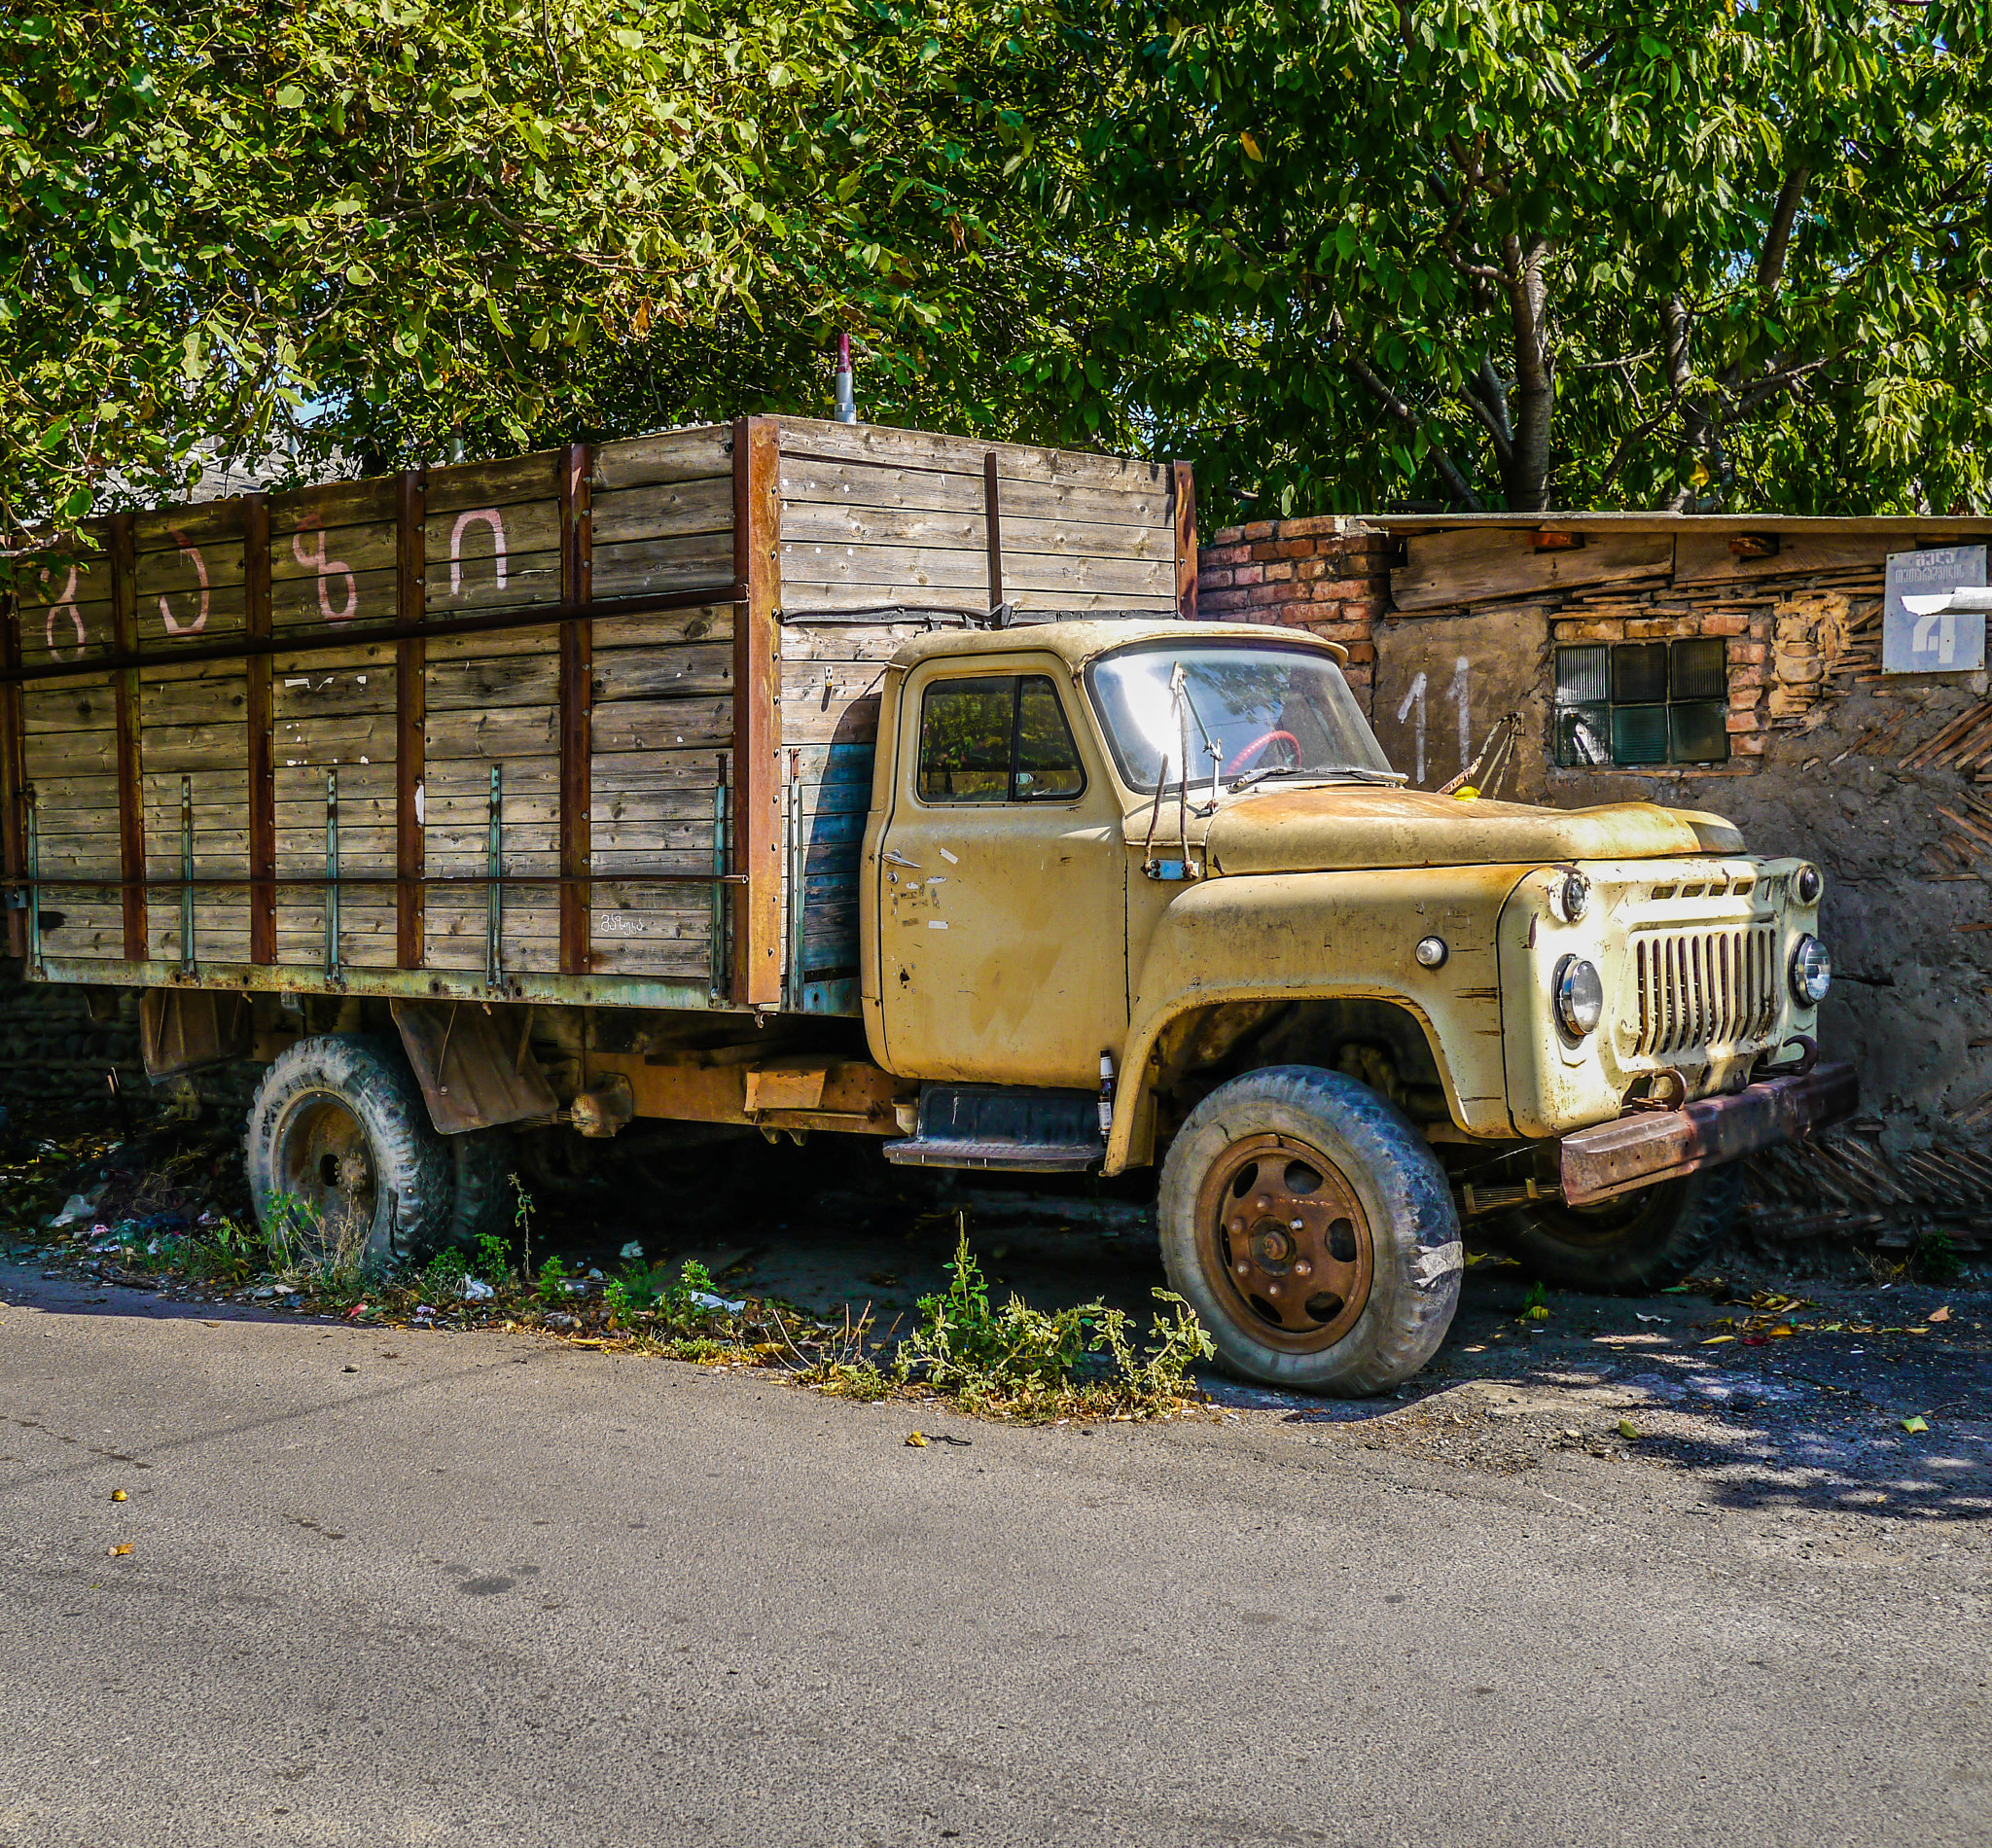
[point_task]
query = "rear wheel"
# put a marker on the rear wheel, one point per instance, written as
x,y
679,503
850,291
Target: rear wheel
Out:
x,y
1631,1245
343,1167
1312,1229
483,1161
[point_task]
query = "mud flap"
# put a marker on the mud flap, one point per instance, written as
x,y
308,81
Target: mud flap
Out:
x,y
188,1029
475,1064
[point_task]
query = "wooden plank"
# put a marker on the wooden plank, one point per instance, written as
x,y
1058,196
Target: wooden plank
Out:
x,y
462,486
671,671
131,789
664,510
260,778
355,599
963,529
853,721
331,504
500,735
670,455
879,442
577,706
200,523
823,490
911,570
1705,557
756,722
411,714
643,566
664,725
504,680
1182,496
1476,564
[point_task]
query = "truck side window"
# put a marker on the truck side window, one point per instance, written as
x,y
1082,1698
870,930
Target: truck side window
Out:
x,y
996,738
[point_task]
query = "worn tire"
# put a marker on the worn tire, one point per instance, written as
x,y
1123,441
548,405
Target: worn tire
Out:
x,y
1630,1246
1383,1165
484,1159
338,1122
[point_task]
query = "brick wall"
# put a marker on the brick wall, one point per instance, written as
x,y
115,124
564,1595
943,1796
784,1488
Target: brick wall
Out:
x,y
1328,574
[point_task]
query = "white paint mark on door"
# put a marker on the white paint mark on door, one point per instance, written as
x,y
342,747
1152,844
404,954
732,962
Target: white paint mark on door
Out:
x,y
1415,699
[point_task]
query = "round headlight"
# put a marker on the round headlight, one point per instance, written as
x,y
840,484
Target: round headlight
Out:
x,y
1811,972
1576,896
1808,884
1430,951
1580,996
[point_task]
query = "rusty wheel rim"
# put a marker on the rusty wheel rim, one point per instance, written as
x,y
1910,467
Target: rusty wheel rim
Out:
x,y
324,1163
1285,1243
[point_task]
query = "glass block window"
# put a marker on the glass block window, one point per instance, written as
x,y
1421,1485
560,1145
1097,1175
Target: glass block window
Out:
x,y
1632,704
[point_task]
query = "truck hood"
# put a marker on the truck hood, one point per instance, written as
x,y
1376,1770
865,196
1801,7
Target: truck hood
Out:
x,y
1348,827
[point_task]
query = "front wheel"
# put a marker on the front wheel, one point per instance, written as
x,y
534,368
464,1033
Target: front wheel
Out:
x,y
1312,1228
1632,1245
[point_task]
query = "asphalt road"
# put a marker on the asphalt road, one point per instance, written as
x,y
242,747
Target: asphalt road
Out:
x,y
411,1588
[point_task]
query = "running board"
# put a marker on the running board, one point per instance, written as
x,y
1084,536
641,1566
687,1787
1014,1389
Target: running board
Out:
x,y
1002,1126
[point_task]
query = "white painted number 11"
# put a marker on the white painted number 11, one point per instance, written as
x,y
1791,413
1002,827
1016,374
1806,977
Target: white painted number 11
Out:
x,y
1413,707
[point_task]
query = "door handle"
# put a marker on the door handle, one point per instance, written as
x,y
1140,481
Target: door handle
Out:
x,y
893,858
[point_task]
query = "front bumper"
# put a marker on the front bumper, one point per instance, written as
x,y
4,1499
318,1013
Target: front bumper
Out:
x,y
1662,1145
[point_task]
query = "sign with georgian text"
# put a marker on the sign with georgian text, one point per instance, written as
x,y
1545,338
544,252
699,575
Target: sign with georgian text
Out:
x,y
1931,644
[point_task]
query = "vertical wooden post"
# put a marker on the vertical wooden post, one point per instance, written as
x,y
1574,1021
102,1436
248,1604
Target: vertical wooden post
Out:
x,y
410,715
130,781
1182,500
992,525
256,588
13,780
576,708
757,711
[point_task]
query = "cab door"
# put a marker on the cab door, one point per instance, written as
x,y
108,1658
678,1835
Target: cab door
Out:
x,y
1002,873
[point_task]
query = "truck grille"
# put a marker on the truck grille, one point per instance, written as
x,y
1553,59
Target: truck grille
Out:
x,y
1701,988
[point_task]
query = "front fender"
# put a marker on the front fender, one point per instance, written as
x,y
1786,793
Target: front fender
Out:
x,y
1313,936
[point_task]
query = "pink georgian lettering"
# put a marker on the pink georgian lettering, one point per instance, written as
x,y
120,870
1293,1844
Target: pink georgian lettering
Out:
x,y
489,516
67,601
326,568
199,622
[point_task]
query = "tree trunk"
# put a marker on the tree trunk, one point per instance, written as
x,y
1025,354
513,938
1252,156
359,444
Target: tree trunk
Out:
x,y
1531,405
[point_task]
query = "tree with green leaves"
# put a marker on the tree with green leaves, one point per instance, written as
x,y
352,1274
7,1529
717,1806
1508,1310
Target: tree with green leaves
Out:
x,y
1525,252
365,228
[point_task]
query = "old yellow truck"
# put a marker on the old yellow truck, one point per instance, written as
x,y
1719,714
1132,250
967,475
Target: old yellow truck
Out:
x,y
828,778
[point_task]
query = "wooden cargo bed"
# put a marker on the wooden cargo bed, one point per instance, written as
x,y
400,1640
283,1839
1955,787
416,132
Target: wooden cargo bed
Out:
x,y
594,725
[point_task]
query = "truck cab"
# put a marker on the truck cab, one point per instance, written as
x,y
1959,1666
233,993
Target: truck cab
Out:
x,y
1150,892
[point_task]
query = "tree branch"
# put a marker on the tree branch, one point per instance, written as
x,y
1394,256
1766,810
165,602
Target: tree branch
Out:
x,y
1394,407
1770,264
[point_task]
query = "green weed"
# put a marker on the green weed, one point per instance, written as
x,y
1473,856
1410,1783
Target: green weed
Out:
x,y
1936,1259
494,1259
444,1276
552,1284
1025,1362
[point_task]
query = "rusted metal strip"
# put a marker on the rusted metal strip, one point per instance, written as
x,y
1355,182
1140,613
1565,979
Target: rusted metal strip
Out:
x,y
410,715
262,735
576,707
757,711
1182,500
306,641
992,522
130,782
13,775
1635,1152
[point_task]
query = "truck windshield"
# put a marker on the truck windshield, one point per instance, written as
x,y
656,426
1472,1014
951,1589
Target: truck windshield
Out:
x,y
1250,710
